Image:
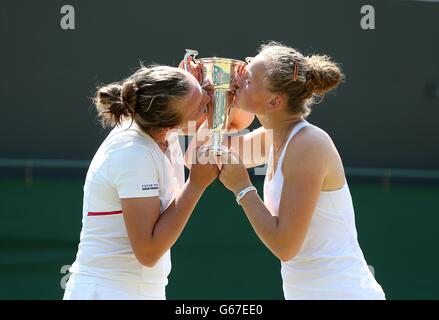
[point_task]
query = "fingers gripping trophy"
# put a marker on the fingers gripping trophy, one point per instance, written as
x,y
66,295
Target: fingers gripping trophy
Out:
x,y
220,74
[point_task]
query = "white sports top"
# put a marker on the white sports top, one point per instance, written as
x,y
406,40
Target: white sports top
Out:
x,y
330,263
128,164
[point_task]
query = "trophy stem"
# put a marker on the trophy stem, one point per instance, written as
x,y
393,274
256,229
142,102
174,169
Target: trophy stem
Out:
x,y
216,147
216,139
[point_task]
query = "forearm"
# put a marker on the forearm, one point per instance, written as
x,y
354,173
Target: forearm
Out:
x,y
172,221
250,147
198,139
190,154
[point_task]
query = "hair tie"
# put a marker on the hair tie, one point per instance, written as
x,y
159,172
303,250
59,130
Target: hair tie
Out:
x,y
296,71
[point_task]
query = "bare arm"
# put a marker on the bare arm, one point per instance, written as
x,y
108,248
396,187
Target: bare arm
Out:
x,y
151,234
251,147
239,120
303,178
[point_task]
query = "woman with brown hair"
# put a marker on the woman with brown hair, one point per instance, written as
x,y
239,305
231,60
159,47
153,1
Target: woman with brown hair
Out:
x,y
307,217
136,202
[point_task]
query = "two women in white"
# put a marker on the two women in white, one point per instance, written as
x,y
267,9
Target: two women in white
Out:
x,y
136,201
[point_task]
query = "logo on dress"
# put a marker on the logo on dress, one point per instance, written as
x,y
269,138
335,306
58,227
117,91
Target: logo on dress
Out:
x,y
150,186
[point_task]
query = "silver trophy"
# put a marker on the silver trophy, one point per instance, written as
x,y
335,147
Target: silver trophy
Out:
x,y
221,74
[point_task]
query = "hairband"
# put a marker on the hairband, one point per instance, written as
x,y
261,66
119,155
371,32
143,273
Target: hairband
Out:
x,y
296,71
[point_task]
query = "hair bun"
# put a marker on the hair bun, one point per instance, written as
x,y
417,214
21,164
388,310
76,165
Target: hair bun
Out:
x,y
323,74
109,105
129,95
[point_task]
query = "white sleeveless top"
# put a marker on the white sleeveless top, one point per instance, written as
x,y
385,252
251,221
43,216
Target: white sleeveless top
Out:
x,y
330,263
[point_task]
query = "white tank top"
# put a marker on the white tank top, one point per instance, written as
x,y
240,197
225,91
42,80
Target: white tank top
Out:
x,y
330,263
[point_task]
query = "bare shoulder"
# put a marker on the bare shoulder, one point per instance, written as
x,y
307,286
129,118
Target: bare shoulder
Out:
x,y
311,146
312,139
312,159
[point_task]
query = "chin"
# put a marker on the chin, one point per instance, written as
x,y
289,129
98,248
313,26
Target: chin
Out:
x,y
238,105
244,107
241,119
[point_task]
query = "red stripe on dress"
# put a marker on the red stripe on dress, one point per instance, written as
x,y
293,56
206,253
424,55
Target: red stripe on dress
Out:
x,y
104,213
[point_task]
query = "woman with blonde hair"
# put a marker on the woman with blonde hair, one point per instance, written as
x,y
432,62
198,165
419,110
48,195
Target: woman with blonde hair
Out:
x,y
307,217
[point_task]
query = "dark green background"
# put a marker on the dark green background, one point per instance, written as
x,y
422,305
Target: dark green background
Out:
x,y
383,115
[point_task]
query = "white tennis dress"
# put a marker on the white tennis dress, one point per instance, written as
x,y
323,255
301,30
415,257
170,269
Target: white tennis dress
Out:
x,y
330,264
128,164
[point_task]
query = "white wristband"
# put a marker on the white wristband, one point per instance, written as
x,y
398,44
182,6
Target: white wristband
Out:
x,y
243,192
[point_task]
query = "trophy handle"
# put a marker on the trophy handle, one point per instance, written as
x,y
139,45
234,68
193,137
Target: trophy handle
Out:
x,y
189,53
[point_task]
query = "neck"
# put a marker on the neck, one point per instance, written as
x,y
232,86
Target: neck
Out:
x,y
281,124
159,136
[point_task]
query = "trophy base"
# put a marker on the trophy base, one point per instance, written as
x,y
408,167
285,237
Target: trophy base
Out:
x,y
215,150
